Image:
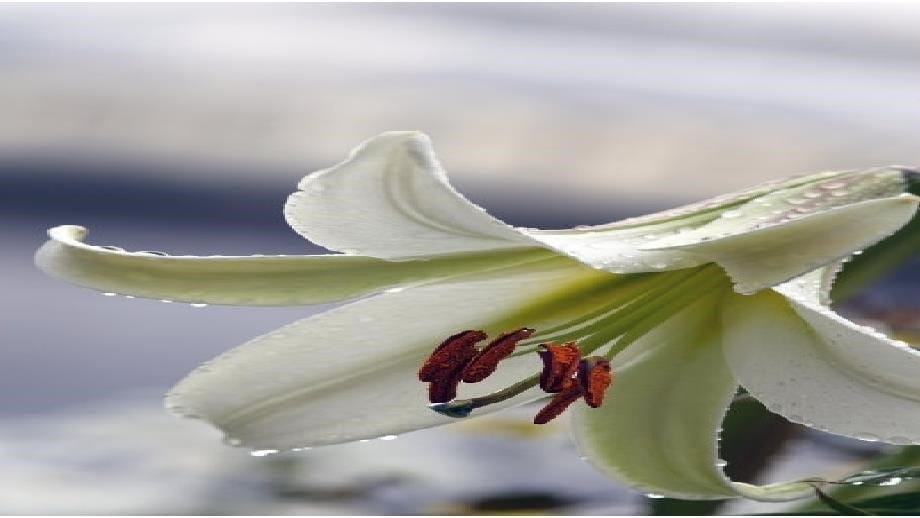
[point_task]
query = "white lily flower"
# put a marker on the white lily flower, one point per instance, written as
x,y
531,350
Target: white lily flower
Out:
x,y
687,304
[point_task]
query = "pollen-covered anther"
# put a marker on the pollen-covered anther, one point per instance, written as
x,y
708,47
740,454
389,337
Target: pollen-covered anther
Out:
x,y
486,360
453,353
560,363
444,367
570,392
594,376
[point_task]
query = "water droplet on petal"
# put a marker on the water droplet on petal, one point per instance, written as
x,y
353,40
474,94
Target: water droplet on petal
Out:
x,y
166,301
394,290
109,294
262,453
389,438
654,495
198,305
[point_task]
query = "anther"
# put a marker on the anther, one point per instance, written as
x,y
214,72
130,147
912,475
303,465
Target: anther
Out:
x,y
594,377
486,360
444,388
560,362
453,353
570,392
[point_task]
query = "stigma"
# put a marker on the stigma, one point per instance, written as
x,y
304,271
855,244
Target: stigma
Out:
x,y
566,374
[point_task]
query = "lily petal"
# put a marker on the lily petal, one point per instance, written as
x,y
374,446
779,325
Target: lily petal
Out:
x,y
253,280
821,370
657,429
350,373
762,257
391,199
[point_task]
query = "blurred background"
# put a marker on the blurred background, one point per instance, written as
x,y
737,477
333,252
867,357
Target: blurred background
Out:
x,y
182,128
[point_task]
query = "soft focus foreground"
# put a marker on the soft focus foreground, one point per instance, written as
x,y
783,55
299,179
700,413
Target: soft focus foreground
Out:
x,y
184,128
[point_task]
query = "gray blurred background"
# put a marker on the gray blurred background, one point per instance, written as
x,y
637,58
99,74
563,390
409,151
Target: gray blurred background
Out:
x,y
182,128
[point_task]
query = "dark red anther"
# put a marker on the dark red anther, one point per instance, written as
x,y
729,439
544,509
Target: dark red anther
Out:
x,y
444,389
569,393
453,354
594,377
486,361
560,362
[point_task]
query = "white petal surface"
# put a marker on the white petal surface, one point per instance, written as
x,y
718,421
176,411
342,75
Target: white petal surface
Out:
x,y
249,280
657,429
351,373
816,368
762,257
391,199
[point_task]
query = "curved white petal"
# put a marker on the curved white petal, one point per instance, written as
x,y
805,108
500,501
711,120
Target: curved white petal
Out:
x,y
253,280
658,427
391,199
350,373
817,368
762,257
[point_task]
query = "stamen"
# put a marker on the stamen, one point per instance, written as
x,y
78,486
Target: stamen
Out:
x,y
444,388
571,391
486,361
452,354
559,364
594,377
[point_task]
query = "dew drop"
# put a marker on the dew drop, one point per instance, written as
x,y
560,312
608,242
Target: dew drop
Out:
x,y
893,481
130,296
858,252
198,305
389,438
109,294
262,453
721,463
364,440
166,301
866,437
394,290
654,495
302,448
